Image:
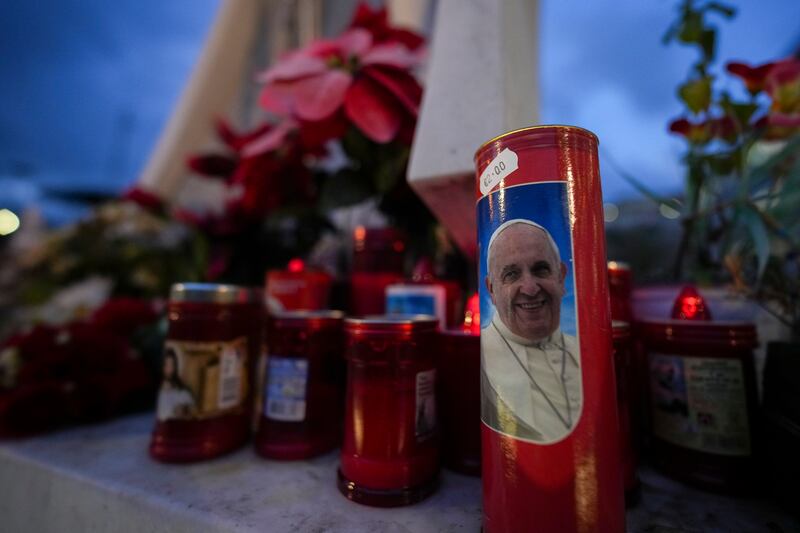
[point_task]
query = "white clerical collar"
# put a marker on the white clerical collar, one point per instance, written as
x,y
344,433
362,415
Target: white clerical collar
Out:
x,y
547,342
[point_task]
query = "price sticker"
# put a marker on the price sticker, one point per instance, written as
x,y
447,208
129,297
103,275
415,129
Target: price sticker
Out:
x,y
501,166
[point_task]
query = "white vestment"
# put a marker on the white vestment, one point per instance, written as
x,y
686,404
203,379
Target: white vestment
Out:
x,y
539,382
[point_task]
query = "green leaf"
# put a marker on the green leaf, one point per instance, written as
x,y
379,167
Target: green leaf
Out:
x,y
723,9
696,94
759,236
763,173
707,43
691,30
639,185
721,164
346,187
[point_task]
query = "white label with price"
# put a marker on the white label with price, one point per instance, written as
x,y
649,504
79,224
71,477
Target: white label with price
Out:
x,y
501,166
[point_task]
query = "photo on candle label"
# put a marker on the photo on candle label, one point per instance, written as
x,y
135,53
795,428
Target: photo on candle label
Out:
x,y
201,379
530,358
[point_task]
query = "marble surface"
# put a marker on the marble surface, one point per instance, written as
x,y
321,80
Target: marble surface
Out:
x,y
100,478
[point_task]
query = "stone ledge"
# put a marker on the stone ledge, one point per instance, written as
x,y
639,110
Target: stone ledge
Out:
x,y
100,478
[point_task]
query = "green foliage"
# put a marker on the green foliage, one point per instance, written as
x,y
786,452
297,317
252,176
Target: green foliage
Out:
x,y
741,214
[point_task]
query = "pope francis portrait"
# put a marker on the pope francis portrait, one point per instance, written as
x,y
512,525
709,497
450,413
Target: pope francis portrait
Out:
x,y
531,375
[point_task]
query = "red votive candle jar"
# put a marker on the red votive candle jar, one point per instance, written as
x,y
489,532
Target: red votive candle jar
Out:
x,y
620,287
303,390
623,366
702,397
298,289
204,403
378,255
390,454
459,398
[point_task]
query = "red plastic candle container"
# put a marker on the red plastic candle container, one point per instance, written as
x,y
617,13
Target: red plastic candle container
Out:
x,y
550,450
702,397
204,403
378,255
301,289
390,454
623,366
459,398
303,393
620,287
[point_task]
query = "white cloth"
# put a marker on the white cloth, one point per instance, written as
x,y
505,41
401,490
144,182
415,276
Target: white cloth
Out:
x,y
550,403
174,403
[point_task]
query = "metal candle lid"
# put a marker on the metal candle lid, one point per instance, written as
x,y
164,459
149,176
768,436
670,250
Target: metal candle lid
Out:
x,y
304,318
396,323
211,293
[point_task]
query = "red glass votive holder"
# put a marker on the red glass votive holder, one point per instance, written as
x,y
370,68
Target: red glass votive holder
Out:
x,y
303,393
390,454
378,256
620,287
303,289
628,428
703,401
459,398
205,400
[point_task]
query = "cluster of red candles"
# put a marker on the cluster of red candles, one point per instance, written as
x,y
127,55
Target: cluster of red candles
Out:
x,y
398,392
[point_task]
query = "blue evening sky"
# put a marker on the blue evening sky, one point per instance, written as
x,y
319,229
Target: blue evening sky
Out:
x,y
89,84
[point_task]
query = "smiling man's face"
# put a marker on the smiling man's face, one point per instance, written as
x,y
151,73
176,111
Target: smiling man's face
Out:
x,y
526,281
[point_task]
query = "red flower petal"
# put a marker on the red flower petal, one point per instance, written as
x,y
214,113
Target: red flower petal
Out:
x,y
270,140
278,98
314,135
680,126
392,55
354,42
292,67
784,120
317,97
753,77
366,17
400,83
218,166
143,198
373,110
410,39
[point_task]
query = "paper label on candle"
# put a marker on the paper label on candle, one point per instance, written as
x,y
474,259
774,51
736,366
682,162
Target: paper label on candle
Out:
x,y
410,299
501,166
426,404
700,403
287,380
202,379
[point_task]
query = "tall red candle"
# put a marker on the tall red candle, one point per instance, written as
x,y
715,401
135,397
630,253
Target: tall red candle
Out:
x,y
390,454
550,454
303,392
623,366
204,404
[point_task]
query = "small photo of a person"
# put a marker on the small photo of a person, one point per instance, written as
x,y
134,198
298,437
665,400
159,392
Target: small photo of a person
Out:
x,y
531,370
175,400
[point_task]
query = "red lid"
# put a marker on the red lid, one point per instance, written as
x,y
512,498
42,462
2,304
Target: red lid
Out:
x,y
690,305
391,324
741,334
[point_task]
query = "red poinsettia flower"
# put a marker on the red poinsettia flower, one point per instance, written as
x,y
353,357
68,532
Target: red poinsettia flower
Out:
x,y
263,167
376,21
351,78
753,77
